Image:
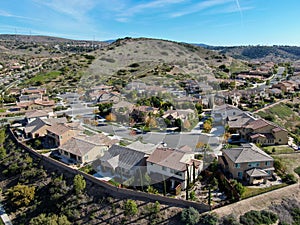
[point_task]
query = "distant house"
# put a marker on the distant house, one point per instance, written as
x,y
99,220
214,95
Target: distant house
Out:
x,y
122,110
42,104
173,165
221,112
121,161
106,97
274,91
235,123
182,114
84,149
285,86
264,132
36,104
31,97
247,162
34,90
140,113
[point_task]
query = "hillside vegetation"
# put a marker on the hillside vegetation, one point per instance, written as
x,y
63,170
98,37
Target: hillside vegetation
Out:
x,y
131,59
264,53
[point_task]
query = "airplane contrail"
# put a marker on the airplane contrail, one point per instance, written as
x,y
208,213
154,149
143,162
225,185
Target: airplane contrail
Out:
x,y
240,10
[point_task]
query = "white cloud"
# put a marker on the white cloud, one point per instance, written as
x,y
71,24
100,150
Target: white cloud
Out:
x,y
74,8
7,14
131,11
200,7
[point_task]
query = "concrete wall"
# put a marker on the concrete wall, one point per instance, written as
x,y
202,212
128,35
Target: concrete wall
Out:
x,y
110,189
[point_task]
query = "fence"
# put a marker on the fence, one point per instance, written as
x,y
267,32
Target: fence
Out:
x,y
110,189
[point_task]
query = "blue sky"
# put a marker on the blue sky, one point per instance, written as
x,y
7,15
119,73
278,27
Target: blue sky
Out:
x,y
214,22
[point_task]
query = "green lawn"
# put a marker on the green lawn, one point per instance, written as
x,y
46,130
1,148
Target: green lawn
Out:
x,y
281,110
297,170
289,161
249,192
282,149
2,110
43,78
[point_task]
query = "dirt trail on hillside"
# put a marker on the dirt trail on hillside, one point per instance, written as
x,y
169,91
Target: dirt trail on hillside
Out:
x,y
260,202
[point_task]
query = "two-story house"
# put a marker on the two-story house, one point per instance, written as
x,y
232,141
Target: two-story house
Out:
x,y
59,134
247,162
173,165
264,132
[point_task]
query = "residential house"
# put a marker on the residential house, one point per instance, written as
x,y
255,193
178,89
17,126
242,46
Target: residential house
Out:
x,y
36,104
59,134
140,113
38,127
264,132
70,97
274,91
84,149
34,90
29,98
221,112
235,123
42,114
122,111
121,161
44,103
185,115
285,86
247,162
105,97
173,166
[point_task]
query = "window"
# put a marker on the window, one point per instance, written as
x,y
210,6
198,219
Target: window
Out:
x,y
164,168
86,157
179,174
240,175
267,163
172,171
253,164
237,165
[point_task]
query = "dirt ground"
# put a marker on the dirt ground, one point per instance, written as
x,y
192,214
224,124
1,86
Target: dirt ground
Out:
x,y
260,202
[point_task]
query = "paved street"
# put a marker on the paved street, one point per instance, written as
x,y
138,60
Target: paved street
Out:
x,y
173,140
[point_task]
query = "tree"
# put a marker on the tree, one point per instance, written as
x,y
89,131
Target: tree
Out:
x,y
43,219
111,117
79,183
2,136
199,108
207,126
21,195
130,208
239,188
190,216
209,219
2,152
